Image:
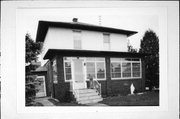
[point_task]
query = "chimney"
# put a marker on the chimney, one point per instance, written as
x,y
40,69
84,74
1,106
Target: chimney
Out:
x,y
75,19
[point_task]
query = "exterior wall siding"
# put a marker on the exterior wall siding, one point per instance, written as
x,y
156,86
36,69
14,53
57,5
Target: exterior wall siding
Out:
x,y
61,38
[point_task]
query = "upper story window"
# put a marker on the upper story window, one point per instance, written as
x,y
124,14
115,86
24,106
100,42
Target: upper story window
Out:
x,y
77,39
106,41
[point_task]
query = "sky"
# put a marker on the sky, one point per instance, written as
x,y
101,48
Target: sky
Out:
x,y
135,19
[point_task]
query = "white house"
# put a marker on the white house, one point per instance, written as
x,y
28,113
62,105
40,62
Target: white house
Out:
x,y
82,54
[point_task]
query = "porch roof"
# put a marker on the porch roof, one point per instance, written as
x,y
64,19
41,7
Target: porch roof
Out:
x,y
90,53
44,25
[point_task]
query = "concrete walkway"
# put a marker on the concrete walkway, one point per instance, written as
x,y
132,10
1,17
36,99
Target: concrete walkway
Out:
x,y
44,101
96,104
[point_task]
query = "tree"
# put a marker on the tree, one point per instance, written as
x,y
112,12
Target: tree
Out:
x,y
150,45
33,49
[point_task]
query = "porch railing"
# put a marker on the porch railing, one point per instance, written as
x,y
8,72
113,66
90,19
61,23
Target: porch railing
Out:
x,y
97,86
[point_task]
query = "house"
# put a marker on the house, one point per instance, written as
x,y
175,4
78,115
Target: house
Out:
x,y
89,61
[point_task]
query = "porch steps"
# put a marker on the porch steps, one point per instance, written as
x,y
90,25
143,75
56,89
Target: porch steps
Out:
x,y
86,96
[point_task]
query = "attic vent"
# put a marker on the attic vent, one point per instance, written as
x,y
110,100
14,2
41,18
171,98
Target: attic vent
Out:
x,y
75,19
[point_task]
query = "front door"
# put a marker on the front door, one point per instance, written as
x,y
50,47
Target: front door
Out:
x,y
79,80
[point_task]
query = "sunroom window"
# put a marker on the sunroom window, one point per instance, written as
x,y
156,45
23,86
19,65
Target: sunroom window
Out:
x,y
126,69
95,68
122,68
116,70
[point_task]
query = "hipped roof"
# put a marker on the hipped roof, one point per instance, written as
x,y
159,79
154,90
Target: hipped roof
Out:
x,y
44,25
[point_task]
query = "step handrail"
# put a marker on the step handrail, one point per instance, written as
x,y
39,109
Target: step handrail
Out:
x,y
97,86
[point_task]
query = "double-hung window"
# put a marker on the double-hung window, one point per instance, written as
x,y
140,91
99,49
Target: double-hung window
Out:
x,y
106,41
123,68
77,39
67,68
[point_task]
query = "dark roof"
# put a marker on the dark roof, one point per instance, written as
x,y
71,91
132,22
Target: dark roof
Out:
x,y
44,25
51,53
41,69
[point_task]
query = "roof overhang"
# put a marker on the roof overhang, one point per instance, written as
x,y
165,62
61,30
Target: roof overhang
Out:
x,y
44,25
51,53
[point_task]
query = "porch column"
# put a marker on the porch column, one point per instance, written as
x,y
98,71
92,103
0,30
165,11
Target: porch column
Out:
x,y
143,74
108,77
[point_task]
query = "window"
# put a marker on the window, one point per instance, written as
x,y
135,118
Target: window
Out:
x,y
122,68
90,70
95,68
100,70
77,39
136,69
116,70
126,69
67,68
54,68
106,40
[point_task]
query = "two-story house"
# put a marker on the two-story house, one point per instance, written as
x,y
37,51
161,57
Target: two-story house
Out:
x,y
88,62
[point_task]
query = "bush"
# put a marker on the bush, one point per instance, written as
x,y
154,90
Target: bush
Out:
x,y
30,89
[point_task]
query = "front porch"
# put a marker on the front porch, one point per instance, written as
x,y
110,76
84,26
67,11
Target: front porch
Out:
x,y
70,71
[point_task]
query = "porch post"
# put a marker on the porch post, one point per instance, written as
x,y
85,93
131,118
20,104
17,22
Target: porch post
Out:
x,y
108,77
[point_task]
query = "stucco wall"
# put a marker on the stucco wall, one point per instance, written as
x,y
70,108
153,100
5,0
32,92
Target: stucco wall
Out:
x,y
61,38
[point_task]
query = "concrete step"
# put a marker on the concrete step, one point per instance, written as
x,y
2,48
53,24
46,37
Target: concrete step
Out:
x,y
87,94
90,101
88,97
86,91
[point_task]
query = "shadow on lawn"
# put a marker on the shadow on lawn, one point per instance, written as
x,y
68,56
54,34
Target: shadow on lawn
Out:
x,y
57,103
145,99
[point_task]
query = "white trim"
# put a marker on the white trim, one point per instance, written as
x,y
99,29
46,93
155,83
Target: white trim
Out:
x,y
131,62
64,61
95,61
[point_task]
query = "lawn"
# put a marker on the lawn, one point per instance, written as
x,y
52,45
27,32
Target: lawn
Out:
x,y
145,99
64,103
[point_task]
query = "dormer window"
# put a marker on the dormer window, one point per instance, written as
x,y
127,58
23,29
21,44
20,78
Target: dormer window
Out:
x,y
106,41
77,39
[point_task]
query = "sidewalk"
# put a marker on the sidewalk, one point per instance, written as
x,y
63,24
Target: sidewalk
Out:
x,y
44,101
48,101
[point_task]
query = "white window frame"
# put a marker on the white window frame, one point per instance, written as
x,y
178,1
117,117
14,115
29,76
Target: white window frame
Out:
x,y
131,62
64,61
95,61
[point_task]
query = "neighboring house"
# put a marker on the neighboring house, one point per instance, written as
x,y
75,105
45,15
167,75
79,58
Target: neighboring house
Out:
x,y
79,52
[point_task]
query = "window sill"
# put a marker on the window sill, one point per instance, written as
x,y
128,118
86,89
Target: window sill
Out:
x,y
128,78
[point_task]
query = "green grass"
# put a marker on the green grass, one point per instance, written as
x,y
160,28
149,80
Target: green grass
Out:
x,y
146,99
